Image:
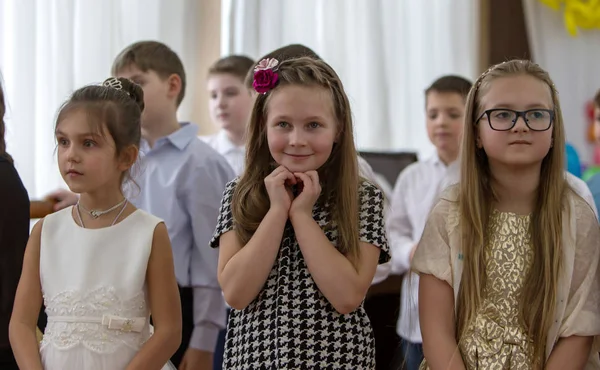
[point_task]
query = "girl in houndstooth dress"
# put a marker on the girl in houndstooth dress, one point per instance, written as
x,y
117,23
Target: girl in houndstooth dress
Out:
x,y
300,234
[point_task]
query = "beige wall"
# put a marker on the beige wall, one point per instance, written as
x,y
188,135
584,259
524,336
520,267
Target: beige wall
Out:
x,y
209,50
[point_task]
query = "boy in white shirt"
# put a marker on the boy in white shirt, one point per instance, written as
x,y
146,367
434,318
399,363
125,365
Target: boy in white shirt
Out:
x,y
415,193
230,105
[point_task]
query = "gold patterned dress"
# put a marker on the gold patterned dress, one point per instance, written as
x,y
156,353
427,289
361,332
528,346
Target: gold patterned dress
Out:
x,y
495,339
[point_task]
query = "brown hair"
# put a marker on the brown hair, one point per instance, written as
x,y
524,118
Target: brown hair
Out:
x,y
117,107
287,52
476,195
154,56
451,84
236,65
3,152
597,99
339,174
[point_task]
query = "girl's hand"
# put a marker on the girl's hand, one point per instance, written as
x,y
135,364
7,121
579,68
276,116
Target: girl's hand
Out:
x,y
278,185
310,189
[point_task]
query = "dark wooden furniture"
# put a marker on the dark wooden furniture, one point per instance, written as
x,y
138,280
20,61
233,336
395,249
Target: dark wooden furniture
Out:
x,y
389,164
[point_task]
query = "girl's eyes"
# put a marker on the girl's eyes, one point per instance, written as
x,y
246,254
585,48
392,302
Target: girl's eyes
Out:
x,y
502,114
86,143
311,125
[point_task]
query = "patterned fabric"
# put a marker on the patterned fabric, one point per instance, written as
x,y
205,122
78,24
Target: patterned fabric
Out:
x,y
495,340
290,324
77,319
576,312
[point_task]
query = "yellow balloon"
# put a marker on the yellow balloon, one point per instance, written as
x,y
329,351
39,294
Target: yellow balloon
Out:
x,y
570,24
577,14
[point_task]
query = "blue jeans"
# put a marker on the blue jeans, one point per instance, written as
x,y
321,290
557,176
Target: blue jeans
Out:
x,y
412,353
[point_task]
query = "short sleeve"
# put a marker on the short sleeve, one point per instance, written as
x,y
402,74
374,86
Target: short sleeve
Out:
x,y
372,220
225,218
432,256
582,313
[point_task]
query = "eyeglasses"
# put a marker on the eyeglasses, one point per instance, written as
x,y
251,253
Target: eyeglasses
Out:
x,y
506,119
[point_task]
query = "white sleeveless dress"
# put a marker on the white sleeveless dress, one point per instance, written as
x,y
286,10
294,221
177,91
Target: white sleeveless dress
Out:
x,y
95,293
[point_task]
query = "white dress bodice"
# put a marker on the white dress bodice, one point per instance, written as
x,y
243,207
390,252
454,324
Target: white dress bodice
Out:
x,y
94,287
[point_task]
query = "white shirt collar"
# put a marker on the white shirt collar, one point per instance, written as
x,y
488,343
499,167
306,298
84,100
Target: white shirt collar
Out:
x,y
435,159
225,145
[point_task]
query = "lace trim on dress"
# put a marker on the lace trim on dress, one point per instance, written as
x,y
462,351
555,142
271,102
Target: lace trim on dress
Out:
x,y
94,336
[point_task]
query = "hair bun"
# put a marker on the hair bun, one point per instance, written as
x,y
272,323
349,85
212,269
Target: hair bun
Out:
x,y
132,89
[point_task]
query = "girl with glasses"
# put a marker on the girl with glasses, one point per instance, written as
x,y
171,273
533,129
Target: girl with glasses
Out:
x,y
508,260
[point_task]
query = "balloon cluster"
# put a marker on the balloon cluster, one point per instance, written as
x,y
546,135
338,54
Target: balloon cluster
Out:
x,y
594,167
578,14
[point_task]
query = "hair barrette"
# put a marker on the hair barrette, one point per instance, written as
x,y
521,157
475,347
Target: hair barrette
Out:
x,y
265,75
114,83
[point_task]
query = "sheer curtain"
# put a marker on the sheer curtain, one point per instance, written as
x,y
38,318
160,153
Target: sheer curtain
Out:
x,y
48,48
385,51
572,63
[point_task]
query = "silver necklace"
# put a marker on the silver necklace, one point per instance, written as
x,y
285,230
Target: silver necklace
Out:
x,y
124,202
96,213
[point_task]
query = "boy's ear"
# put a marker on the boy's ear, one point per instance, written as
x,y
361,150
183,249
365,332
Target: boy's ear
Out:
x,y
175,85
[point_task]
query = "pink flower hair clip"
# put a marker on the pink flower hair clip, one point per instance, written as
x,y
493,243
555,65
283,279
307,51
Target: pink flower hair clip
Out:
x,y
265,75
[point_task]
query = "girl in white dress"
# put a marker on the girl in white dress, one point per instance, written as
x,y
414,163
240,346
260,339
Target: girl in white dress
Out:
x,y
101,266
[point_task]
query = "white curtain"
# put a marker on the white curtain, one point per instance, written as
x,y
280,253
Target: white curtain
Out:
x,y
48,48
385,51
572,63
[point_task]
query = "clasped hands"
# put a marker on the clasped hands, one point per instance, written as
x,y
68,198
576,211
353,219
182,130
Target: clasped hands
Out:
x,y
279,187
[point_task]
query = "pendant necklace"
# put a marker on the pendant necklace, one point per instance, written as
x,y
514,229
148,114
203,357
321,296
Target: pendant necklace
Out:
x,y
96,213
100,213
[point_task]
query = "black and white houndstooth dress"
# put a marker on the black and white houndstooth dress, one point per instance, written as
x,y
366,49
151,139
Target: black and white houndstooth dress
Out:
x,y
290,324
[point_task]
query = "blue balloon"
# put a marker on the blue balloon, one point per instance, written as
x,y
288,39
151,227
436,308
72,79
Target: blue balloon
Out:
x,y
573,162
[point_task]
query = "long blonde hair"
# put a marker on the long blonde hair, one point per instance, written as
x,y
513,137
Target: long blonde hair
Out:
x,y
338,176
475,198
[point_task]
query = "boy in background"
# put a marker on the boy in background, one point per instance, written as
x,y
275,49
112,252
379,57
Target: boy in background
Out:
x,y
415,193
230,104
